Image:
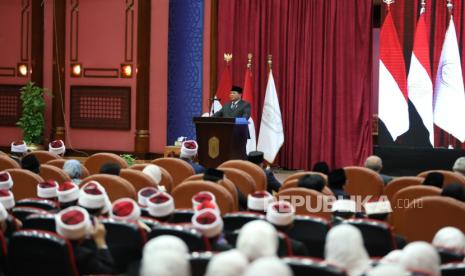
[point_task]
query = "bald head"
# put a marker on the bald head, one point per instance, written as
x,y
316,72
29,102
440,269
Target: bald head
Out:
x,y
374,163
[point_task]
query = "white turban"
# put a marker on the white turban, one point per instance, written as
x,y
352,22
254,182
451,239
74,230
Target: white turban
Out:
x,y
257,239
228,263
392,257
154,172
165,263
270,266
421,256
450,238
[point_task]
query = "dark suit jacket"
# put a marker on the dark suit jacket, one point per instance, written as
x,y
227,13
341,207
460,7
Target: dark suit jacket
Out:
x,y
242,110
91,260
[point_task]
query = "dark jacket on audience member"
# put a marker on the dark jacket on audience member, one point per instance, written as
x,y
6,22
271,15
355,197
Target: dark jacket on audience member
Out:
x,y
91,260
272,183
197,167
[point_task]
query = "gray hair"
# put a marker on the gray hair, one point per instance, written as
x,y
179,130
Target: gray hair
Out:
x,y
72,168
374,163
459,165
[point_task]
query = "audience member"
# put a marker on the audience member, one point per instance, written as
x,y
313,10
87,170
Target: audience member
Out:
x,y
454,190
161,206
459,166
142,198
257,239
343,209
435,179
229,263
215,175
375,163
154,172
450,243
94,198
68,194
125,209
57,147
257,158
30,163
92,255
270,266
47,189
321,167
201,197
422,257
344,248
73,168
18,150
6,182
387,270
336,182
392,257
110,168
7,199
258,201
189,152
312,182
210,224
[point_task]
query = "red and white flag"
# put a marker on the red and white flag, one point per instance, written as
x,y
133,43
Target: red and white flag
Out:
x,y
449,97
223,90
247,95
393,104
420,86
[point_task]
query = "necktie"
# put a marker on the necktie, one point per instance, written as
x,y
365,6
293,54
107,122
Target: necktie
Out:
x,y
234,106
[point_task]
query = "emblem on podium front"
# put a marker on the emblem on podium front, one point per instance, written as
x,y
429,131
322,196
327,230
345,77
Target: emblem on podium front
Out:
x,y
213,147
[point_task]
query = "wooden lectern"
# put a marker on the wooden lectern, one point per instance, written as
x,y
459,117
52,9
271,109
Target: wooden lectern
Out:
x,y
221,139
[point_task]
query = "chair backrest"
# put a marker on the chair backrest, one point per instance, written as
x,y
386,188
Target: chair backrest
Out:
x,y
252,169
7,162
235,221
307,202
124,250
115,186
311,231
44,204
34,252
377,236
427,215
199,262
177,168
59,163
25,183
297,175
182,216
284,243
399,183
363,182
138,167
193,239
449,256
241,179
44,156
309,266
453,269
95,161
449,177
293,183
22,213
184,192
166,179
44,222
138,179
48,172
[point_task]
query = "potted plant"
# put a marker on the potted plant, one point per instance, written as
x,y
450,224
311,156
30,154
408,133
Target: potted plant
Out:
x,y
31,122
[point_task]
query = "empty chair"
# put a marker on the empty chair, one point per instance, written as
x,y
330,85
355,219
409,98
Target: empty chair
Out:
x,y
182,216
25,183
138,179
177,168
94,162
193,239
22,213
199,262
40,221
44,204
115,186
48,172
308,266
7,162
34,252
377,236
252,169
399,183
311,231
125,242
363,182
235,221
44,156
453,269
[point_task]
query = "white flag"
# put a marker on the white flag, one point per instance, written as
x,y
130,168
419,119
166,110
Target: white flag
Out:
x,y
449,98
216,106
271,136
252,141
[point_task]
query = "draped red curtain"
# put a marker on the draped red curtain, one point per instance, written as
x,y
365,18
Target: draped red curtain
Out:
x,y
322,68
405,14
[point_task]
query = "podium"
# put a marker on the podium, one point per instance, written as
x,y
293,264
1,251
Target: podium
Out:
x,y
220,139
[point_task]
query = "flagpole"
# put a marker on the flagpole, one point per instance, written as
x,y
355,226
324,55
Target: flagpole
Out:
x,y
449,6
249,67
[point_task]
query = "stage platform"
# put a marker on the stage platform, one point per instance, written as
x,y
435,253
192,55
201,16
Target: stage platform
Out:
x,y
403,161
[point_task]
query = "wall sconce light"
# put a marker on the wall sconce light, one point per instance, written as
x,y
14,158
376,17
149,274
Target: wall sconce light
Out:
x,y
76,70
126,70
22,69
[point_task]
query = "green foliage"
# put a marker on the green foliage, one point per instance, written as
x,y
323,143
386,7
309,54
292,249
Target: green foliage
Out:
x,y
128,158
32,119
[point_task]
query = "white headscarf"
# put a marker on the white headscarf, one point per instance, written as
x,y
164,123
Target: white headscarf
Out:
x,y
392,257
165,243
270,266
229,263
257,239
344,248
154,172
450,238
421,256
388,270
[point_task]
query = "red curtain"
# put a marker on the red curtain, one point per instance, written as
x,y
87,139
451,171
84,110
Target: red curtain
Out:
x,y
322,64
405,14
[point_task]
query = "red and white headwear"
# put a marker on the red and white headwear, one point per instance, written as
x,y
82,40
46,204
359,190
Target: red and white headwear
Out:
x,y
57,147
92,196
6,182
280,213
208,222
3,213
344,205
207,205
189,149
7,198
67,192
201,197
73,223
47,189
18,147
378,207
154,172
144,194
259,201
125,209
160,205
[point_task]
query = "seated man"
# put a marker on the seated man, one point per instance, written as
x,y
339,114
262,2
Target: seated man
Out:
x,y
336,182
188,153
57,147
435,179
110,168
459,166
312,182
236,107
376,164
273,184
18,150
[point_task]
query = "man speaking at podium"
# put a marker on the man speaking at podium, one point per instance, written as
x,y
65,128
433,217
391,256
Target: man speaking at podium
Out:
x,y
236,107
